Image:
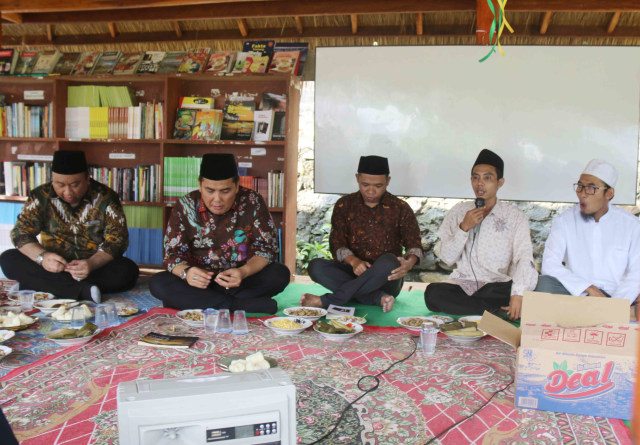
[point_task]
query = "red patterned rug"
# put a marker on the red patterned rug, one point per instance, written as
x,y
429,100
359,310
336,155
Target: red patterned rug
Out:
x,y
70,397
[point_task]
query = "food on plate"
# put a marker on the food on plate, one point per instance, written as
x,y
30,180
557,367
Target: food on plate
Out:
x,y
334,327
285,323
465,332
63,313
305,312
85,331
351,319
252,362
126,310
415,322
451,326
62,304
12,320
193,316
41,296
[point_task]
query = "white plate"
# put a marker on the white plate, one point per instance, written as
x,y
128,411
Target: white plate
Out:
x,y
340,337
73,341
402,320
319,310
6,335
351,319
46,306
305,324
38,296
126,309
197,324
440,319
461,339
474,318
4,351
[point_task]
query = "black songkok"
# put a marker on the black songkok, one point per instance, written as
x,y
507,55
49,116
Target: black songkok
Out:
x,y
490,158
69,162
218,166
373,165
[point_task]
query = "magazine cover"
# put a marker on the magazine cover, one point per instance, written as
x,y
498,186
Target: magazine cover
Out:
x,y
206,124
46,62
107,62
285,62
185,119
195,60
221,62
295,46
66,64
86,63
26,62
151,62
7,61
272,101
171,62
128,63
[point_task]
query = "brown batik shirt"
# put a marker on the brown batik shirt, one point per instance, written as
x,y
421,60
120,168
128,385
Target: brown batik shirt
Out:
x,y
369,232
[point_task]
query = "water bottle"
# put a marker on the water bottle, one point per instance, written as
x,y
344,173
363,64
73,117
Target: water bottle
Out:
x,y
428,335
210,320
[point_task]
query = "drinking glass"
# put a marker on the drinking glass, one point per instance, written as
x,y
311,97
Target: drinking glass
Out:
x,y
77,317
240,323
210,321
26,299
112,314
224,321
102,316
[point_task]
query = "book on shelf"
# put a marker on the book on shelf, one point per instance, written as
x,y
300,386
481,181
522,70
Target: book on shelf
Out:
x,y
273,101
128,63
279,132
86,63
21,177
185,120
200,103
208,125
195,60
236,130
20,120
46,62
239,108
25,63
260,185
136,184
221,62
244,59
265,47
151,62
107,62
180,177
263,125
276,188
285,62
166,341
171,62
66,63
8,58
100,96
303,47
143,121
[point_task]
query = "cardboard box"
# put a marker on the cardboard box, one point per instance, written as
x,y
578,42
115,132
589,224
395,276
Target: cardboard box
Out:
x,y
574,354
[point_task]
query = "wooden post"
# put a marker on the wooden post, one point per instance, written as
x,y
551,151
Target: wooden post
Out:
x,y
484,18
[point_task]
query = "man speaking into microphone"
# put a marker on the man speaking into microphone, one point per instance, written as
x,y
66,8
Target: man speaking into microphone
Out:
x,y
490,244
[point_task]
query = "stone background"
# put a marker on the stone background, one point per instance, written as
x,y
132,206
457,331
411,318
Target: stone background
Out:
x,y
314,209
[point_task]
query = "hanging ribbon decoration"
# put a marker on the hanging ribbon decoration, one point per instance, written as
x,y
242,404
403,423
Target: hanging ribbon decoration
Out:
x,y
498,24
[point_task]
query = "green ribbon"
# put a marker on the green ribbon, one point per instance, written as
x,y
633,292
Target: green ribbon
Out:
x,y
495,24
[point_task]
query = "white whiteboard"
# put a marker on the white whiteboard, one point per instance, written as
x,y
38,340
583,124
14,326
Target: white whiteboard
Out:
x,y
430,109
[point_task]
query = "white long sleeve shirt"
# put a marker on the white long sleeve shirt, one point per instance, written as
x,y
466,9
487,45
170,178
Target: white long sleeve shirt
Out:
x,y
604,253
501,252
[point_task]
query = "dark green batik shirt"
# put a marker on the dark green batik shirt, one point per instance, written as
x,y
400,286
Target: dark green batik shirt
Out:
x,y
97,223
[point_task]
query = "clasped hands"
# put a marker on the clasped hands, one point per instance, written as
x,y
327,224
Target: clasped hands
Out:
x,y
201,278
78,269
360,266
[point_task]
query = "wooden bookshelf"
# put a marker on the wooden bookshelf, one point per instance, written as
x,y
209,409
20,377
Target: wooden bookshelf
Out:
x,y
280,155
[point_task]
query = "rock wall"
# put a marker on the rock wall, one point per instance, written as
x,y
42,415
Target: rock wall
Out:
x,y
314,210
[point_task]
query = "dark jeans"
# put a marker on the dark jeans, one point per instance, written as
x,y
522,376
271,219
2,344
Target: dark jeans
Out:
x,y
116,276
253,295
451,299
368,288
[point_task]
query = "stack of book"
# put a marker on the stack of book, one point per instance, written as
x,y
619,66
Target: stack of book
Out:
x,y
137,184
31,121
260,185
197,120
21,177
276,189
180,177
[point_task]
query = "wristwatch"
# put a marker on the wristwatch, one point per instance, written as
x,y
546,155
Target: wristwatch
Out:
x,y
40,258
183,274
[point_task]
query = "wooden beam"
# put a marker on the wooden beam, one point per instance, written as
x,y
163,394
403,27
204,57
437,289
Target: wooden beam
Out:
x,y
354,24
92,5
12,17
419,26
545,22
112,30
299,26
50,33
614,22
176,28
242,26
484,19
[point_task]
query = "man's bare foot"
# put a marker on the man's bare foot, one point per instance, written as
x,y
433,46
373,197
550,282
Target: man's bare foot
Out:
x,y
387,303
312,300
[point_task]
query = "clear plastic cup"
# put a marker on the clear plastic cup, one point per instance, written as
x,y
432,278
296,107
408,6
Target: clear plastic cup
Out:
x,y
26,299
78,318
240,326
224,322
428,336
102,316
210,320
112,314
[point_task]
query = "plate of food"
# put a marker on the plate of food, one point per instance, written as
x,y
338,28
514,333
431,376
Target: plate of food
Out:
x,y
6,335
251,362
287,325
461,334
16,321
337,331
414,324
470,320
74,337
4,351
126,309
351,319
48,307
440,319
192,317
38,296
63,313
310,313
172,327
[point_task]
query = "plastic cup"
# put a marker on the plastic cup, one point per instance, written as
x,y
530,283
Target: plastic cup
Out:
x,y
210,321
240,323
112,314
224,321
428,336
77,317
102,316
26,299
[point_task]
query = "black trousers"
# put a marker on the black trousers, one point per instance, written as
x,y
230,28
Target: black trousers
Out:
x,y
116,276
451,299
368,288
253,295
6,434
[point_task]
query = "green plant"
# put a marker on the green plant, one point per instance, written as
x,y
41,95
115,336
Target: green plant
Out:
x,y
309,250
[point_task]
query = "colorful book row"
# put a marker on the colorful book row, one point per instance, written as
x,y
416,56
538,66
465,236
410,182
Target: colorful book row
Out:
x,y
137,184
25,121
142,122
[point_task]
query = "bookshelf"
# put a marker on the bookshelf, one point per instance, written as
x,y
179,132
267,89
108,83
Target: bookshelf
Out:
x,y
129,153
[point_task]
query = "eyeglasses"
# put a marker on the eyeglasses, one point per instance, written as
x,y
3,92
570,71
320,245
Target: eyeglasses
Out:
x,y
588,189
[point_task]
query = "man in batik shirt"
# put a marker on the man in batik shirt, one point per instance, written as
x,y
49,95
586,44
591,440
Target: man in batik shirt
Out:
x,y
369,230
83,233
220,246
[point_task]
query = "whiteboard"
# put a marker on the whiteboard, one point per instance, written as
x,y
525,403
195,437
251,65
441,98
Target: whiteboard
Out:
x,y
546,111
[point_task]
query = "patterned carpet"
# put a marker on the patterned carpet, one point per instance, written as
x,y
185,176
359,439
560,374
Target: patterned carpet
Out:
x,y
70,397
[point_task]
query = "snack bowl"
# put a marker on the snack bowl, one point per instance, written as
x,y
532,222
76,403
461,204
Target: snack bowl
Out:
x,y
340,337
291,312
66,342
463,339
48,307
272,322
471,318
172,327
4,351
22,326
351,319
195,323
225,361
6,335
415,330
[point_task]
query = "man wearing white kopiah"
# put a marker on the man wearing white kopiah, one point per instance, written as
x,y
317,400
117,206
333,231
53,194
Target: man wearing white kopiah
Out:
x,y
593,248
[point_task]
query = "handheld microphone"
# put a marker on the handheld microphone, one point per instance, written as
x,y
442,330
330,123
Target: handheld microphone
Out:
x,y
479,203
